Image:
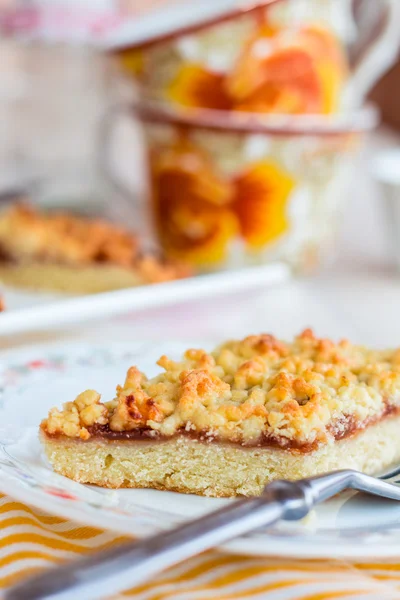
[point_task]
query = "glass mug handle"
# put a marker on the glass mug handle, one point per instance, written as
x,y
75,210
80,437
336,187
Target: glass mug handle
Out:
x,y
130,206
378,54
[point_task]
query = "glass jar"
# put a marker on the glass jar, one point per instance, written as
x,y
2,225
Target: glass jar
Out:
x,y
231,191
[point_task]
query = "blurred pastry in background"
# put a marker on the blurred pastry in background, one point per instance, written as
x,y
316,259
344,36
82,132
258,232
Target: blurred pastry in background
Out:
x,y
69,253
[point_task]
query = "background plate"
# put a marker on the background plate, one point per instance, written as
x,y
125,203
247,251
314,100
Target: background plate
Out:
x,y
33,311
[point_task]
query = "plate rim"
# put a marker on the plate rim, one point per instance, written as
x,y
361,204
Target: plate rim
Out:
x,y
63,310
239,546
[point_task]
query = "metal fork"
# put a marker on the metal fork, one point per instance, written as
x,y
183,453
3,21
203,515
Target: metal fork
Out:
x,y
105,573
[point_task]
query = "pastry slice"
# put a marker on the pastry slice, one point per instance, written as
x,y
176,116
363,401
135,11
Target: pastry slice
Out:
x,y
69,253
229,422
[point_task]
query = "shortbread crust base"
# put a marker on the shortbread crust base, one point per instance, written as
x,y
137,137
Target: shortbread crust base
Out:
x,y
189,466
67,278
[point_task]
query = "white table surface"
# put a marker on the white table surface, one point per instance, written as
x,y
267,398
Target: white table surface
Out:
x,y
357,297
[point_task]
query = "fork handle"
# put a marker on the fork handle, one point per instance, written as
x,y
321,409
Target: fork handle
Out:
x,y
105,573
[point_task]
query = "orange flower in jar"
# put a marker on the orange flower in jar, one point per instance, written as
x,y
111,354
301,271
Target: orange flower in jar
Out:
x,y
286,83
199,212
261,196
280,70
191,205
331,66
297,71
132,61
196,87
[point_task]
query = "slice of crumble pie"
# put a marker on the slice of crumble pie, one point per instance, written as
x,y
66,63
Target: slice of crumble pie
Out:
x,y
229,422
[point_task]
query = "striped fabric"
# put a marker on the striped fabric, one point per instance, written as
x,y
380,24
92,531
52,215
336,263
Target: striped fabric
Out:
x,y
31,540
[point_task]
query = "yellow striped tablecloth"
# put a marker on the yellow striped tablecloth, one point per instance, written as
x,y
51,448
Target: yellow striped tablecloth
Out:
x,y
32,540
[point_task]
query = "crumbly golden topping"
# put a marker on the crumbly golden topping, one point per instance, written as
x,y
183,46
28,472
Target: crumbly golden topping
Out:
x,y
27,235
309,391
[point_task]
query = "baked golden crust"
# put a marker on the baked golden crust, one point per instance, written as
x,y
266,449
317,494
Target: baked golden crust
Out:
x,y
186,465
29,236
255,391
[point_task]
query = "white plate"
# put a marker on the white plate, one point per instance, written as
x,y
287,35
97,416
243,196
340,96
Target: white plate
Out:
x,y
32,312
350,526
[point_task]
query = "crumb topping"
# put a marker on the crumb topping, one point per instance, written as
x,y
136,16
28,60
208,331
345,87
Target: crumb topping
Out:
x,y
309,391
28,235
